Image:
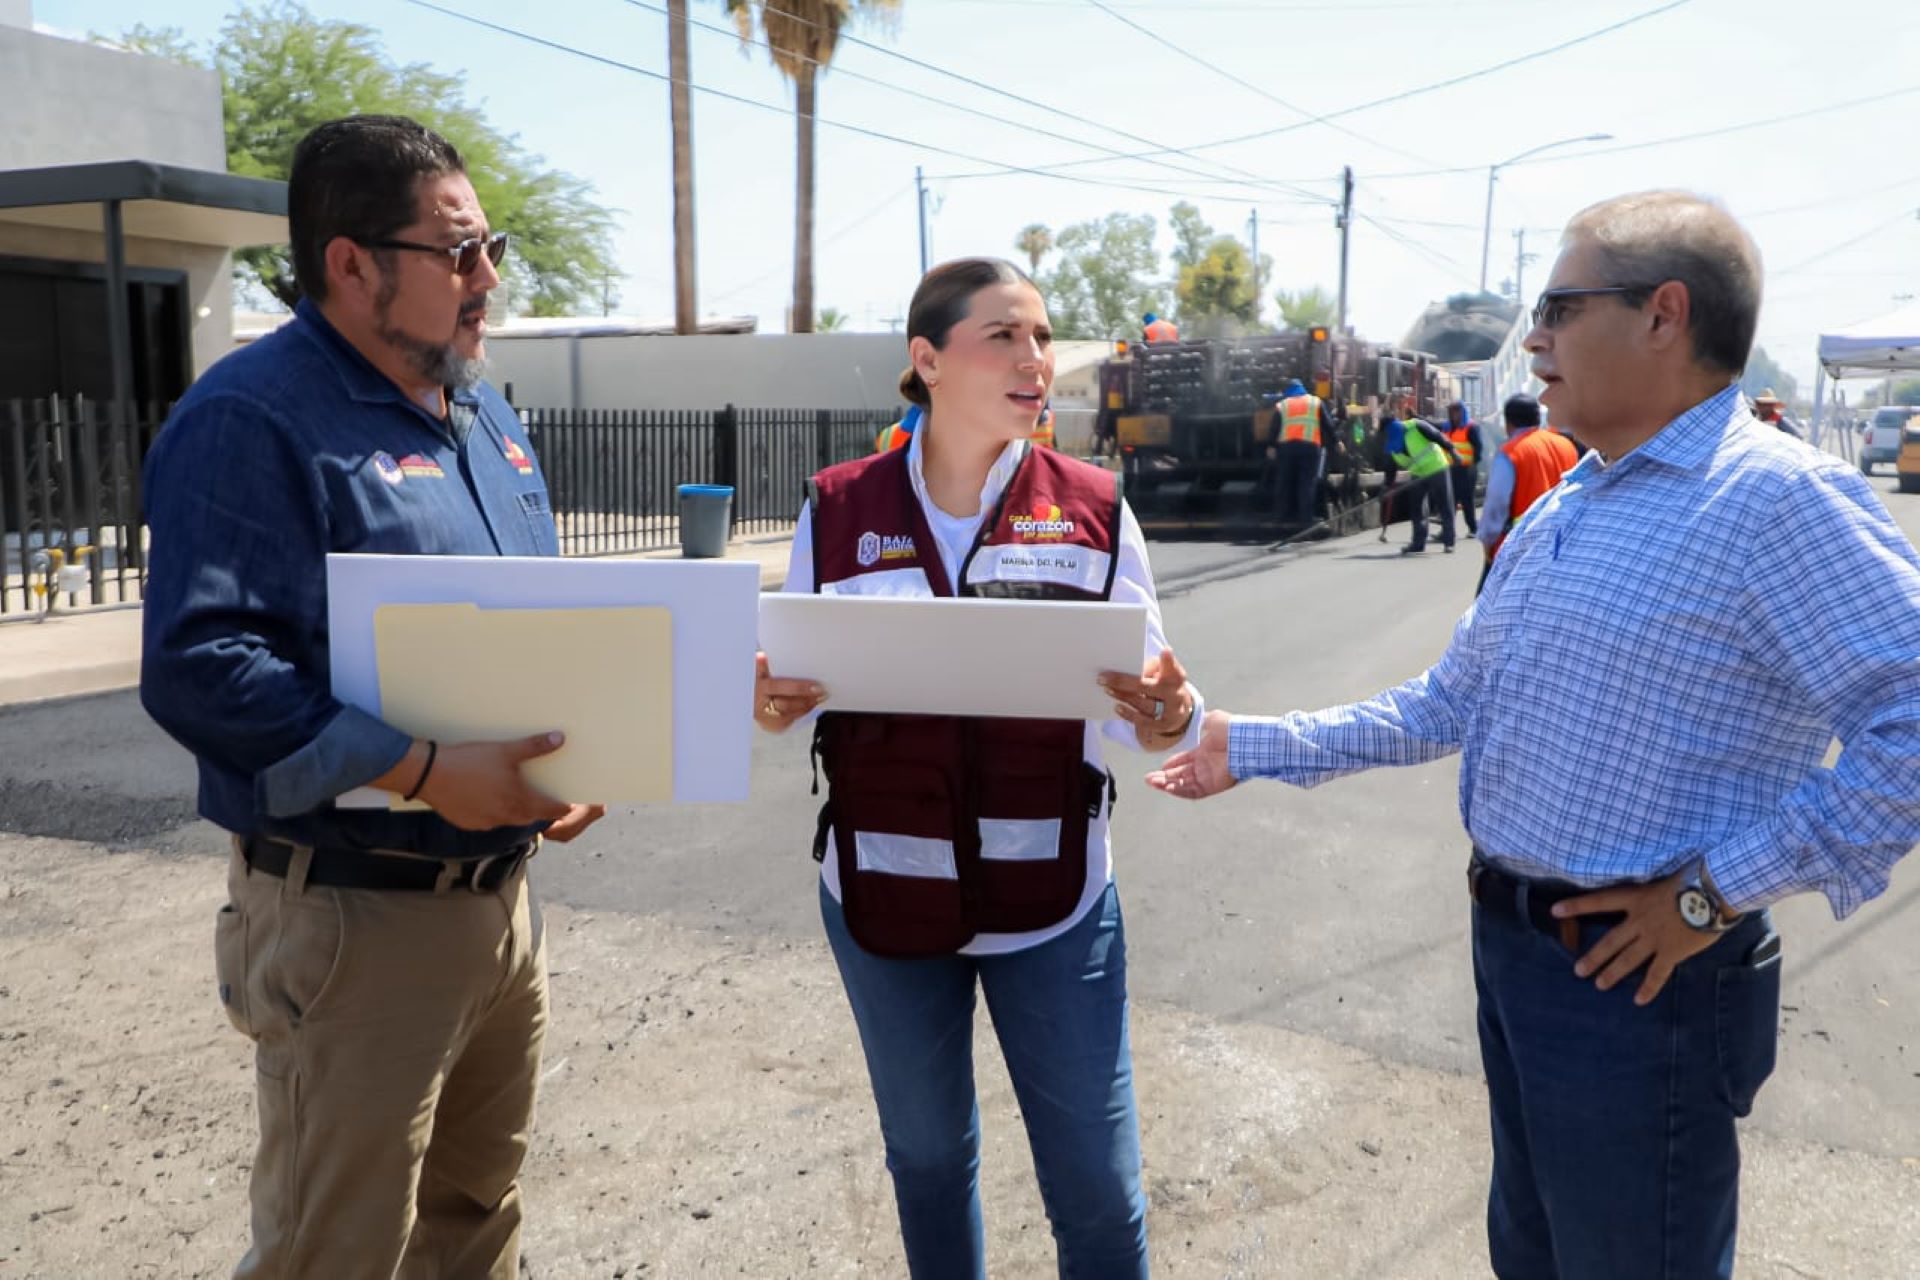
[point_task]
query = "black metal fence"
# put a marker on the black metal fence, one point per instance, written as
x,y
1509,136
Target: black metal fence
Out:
x,y
614,475
70,483
70,494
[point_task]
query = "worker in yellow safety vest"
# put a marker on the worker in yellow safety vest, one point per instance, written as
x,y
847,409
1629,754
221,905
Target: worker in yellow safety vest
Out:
x,y
1423,451
1299,453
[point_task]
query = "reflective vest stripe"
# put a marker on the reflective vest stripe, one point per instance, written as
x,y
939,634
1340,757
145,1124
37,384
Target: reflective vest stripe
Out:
x,y
1300,419
1423,457
1463,445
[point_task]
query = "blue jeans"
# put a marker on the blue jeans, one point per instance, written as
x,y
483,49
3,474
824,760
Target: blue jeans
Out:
x,y
1060,1011
1614,1153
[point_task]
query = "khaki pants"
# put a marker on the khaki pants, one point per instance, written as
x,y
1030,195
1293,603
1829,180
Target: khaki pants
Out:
x,y
397,1040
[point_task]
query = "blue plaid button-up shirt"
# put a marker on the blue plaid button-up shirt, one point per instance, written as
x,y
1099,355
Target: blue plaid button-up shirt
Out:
x,y
1661,658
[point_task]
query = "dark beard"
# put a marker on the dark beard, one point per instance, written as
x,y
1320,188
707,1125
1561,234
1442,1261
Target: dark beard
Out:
x,y
438,362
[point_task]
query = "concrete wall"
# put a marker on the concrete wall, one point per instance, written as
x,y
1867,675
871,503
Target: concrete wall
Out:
x,y
751,371
74,103
209,276
703,371
16,13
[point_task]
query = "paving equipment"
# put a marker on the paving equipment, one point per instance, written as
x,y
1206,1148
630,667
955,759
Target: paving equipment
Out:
x,y
1192,424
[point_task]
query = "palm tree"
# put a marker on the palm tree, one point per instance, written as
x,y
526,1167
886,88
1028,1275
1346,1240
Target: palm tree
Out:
x,y
1036,242
801,36
680,76
832,320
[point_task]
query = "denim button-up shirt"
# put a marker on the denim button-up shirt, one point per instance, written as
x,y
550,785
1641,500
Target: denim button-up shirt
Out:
x,y
289,449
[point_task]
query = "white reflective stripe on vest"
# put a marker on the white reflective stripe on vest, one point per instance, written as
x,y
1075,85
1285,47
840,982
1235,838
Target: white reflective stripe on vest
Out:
x,y
894,855
885,582
1053,563
1020,839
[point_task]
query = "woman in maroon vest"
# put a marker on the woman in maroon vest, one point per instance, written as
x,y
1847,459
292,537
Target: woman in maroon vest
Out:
x,y
969,851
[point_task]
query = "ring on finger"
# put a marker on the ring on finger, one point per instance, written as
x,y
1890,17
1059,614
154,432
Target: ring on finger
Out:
x,y
1159,708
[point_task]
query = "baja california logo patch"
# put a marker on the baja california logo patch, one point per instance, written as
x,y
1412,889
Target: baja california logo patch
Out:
x,y
867,552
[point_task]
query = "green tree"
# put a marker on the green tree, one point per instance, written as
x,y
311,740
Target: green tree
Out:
x,y
1192,236
1305,308
1763,373
285,71
1218,295
801,36
1105,279
1036,241
832,320
1906,391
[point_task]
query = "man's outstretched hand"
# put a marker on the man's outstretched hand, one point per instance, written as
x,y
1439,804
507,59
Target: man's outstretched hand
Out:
x,y
1201,772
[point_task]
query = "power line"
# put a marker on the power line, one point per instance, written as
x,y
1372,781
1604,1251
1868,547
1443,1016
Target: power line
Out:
x,y
1114,13
1403,95
838,234
846,73
846,37
860,130
1869,233
1670,140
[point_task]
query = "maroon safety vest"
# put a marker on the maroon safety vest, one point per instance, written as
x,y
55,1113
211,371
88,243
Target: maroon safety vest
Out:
x,y
949,826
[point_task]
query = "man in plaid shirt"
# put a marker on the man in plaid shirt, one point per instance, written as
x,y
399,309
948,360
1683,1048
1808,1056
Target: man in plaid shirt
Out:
x,y
1736,600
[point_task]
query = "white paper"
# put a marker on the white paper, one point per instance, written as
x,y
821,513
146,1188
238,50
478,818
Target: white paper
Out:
x,y
713,604
1037,659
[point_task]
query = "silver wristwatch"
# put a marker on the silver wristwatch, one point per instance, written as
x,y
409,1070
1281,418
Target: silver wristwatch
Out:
x,y
1701,906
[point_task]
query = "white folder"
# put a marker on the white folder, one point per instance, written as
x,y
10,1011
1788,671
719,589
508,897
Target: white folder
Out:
x,y
1026,658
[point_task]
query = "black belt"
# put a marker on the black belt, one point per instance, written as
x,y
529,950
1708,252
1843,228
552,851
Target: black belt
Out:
x,y
1530,902
342,868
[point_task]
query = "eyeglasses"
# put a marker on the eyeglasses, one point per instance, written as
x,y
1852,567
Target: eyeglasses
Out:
x,y
1550,312
465,255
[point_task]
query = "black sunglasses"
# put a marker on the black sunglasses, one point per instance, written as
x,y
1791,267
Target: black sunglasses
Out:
x,y
1550,312
465,255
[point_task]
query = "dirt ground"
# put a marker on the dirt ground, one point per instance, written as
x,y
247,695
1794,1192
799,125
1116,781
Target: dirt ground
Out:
x,y
704,1113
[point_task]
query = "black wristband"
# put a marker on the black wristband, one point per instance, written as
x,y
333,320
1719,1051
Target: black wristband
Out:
x,y
433,750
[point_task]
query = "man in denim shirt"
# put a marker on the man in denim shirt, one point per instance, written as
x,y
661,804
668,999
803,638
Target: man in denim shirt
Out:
x,y
388,964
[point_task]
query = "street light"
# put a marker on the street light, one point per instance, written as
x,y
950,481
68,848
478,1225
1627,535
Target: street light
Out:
x,y
1493,171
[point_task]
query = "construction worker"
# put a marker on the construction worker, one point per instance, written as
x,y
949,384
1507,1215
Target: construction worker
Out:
x,y
1770,409
1423,451
900,434
1299,453
1043,430
1158,330
1521,472
1465,437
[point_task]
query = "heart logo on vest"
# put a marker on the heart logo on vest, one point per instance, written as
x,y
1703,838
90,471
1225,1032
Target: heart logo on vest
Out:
x,y
867,551
1044,524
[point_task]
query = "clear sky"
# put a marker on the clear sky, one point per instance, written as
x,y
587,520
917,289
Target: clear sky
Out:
x,y
1832,193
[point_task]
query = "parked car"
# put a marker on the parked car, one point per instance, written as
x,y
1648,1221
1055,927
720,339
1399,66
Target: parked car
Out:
x,y
1907,465
1882,440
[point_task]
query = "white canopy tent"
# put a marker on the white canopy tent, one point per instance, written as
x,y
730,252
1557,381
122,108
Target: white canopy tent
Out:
x,y
1879,347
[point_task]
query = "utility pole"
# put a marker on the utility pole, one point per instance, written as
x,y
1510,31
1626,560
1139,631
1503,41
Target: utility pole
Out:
x,y
1256,268
1520,266
920,189
686,315
1345,223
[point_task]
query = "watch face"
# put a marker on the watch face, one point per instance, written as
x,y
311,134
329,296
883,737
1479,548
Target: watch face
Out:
x,y
1695,908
